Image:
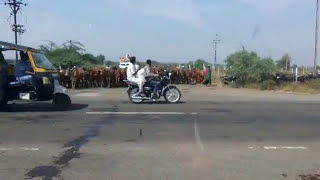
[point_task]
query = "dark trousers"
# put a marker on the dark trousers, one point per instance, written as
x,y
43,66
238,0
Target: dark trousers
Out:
x,y
155,84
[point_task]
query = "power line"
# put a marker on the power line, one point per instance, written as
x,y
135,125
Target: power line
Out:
x,y
16,6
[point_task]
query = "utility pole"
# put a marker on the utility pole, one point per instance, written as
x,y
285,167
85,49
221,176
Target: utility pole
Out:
x,y
316,39
15,6
216,42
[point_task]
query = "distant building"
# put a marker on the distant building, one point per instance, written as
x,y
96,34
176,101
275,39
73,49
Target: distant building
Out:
x,y
124,62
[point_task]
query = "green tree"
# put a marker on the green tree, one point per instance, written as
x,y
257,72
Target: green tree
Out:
x,y
74,45
48,47
64,57
71,53
101,59
89,59
198,64
284,62
248,67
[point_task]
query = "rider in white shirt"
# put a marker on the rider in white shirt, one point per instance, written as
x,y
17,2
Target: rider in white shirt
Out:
x,y
146,72
132,71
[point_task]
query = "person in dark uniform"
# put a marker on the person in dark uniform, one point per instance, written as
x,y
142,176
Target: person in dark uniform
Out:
x,y
23,69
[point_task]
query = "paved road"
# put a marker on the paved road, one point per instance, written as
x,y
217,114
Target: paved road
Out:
x,y
212,134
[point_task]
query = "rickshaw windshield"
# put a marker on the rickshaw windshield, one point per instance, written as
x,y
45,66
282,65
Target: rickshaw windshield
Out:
x,y
42,62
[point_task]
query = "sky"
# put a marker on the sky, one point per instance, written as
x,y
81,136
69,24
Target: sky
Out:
x,y
171,30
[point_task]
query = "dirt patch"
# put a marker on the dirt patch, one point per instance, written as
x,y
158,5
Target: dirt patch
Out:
x,y
309,177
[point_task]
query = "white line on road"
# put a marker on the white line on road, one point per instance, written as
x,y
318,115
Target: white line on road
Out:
x,y
271,147
137,113
22,148
280,147
197,135
299,147
30,149
87,95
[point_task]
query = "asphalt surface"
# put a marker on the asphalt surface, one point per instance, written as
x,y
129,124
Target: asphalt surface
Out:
x,y
214,133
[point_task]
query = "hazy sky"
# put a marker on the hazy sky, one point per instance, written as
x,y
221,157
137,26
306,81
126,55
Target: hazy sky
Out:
x,y
171,30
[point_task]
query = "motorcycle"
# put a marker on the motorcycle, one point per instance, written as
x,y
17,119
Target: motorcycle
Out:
x,y
170,93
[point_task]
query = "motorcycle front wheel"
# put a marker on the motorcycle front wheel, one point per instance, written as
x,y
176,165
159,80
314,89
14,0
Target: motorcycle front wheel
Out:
x,y
132,98
172,95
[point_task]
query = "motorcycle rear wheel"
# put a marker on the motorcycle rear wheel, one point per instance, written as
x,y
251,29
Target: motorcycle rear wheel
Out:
x,y
131,93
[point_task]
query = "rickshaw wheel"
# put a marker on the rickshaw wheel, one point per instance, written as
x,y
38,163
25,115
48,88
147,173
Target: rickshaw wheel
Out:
x,y
61,102
3,100
3,103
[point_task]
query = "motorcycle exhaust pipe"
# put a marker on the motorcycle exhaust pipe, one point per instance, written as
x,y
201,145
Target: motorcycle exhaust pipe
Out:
x,y
144,98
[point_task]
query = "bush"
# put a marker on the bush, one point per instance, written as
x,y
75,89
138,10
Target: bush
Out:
x,y
268,85
248,67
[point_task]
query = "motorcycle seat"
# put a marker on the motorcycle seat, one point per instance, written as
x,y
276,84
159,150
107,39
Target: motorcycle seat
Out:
x,y
131,83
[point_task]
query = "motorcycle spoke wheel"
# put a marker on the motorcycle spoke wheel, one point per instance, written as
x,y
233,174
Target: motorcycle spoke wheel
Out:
x,y
173,95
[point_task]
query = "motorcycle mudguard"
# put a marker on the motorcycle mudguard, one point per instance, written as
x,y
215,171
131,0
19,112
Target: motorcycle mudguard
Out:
x,y
131,87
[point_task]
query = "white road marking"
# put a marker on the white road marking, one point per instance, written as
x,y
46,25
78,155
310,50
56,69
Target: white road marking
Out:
x,y
87,94
280,147
197,135
22,148
271,147
30,149
299,147
137,113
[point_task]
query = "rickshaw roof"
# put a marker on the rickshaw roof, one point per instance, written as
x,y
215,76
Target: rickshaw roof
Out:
x,y
4,46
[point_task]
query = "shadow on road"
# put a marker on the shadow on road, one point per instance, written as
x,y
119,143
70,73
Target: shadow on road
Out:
x,y
157,102
38,107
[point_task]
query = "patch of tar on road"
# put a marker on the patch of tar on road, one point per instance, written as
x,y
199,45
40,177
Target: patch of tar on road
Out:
x,y
75,145
50,172
44,172
309,177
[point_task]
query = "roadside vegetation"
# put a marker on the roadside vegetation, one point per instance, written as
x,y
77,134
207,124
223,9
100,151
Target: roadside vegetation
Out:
x,y
71,53
248,69
251,71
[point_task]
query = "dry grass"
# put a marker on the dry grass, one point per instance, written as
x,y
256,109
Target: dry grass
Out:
x,y
216,79
300,87
312,87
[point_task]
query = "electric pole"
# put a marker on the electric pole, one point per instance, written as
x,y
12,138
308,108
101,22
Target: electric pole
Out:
x,y
216,42
215,67
316,39
15,6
